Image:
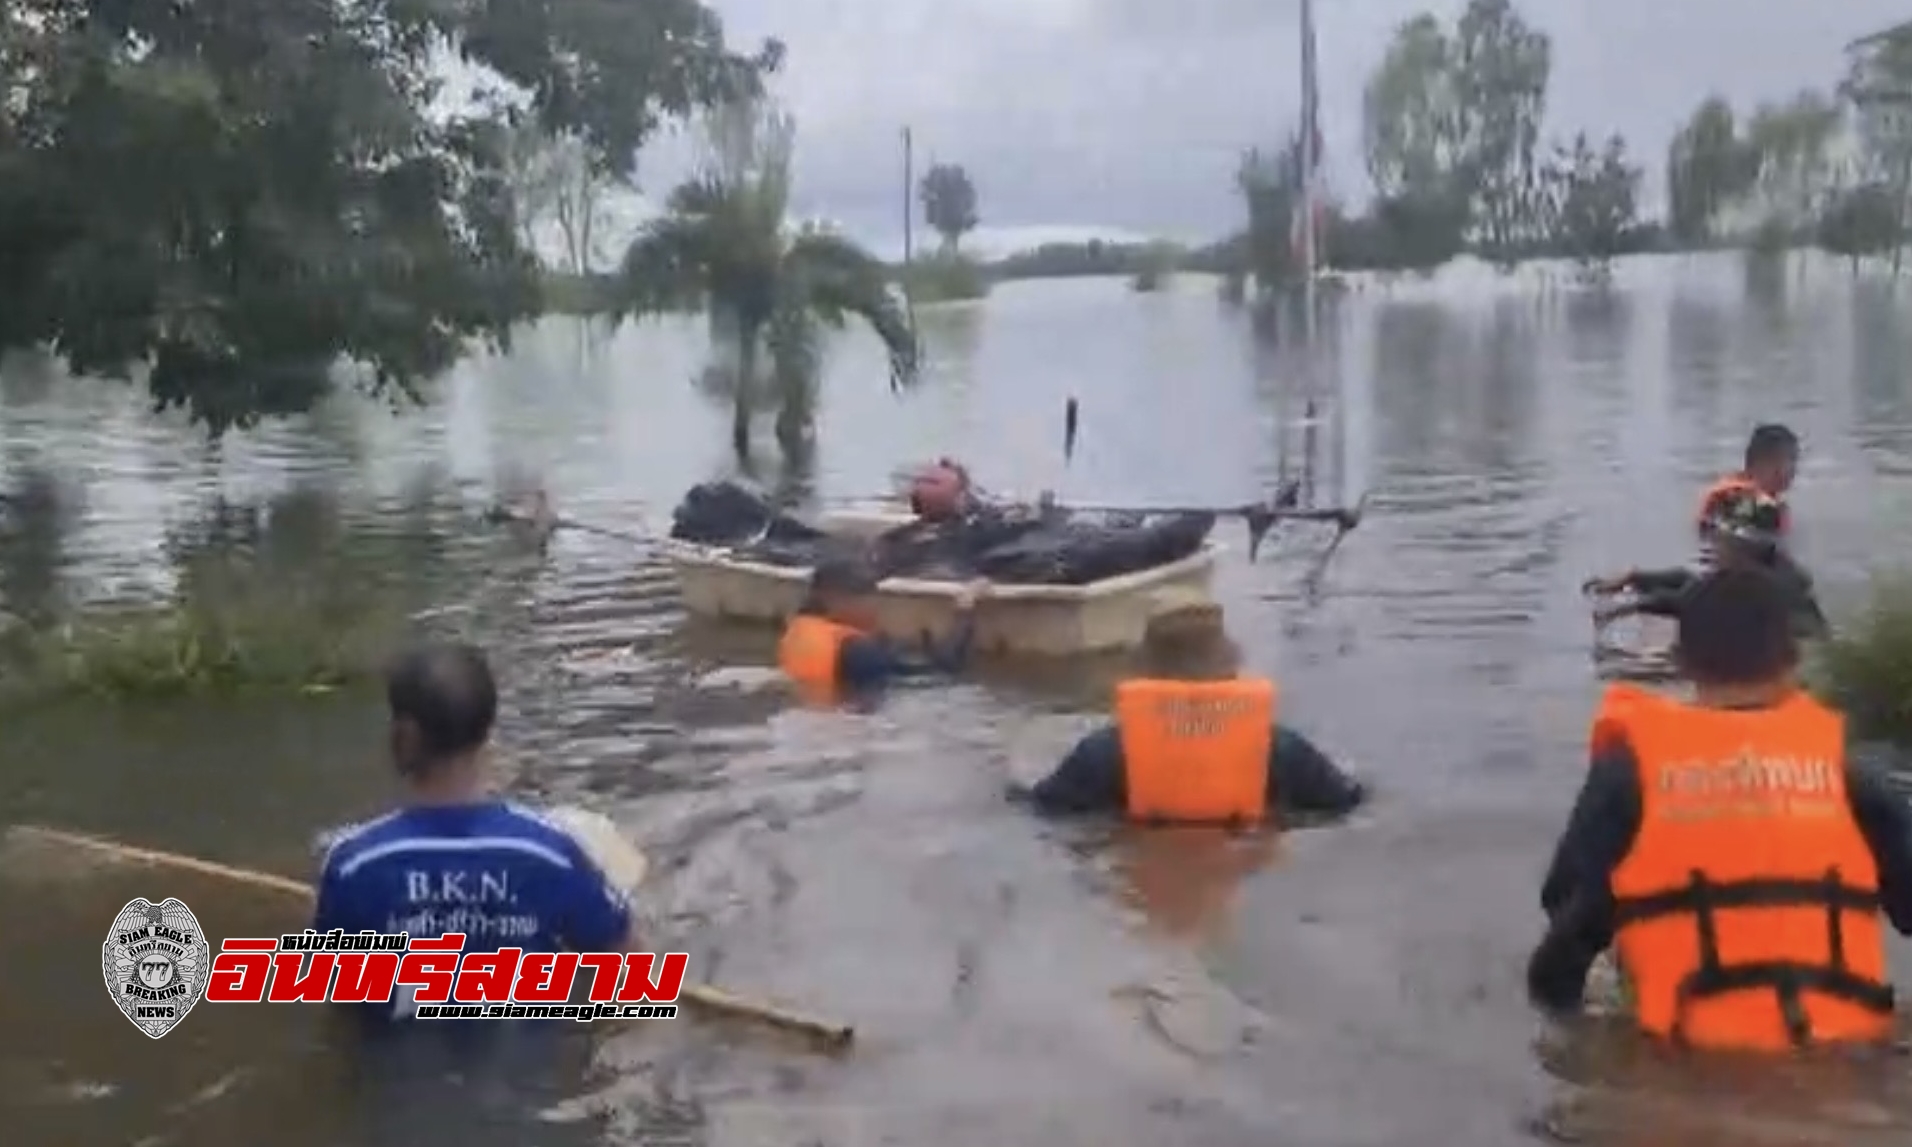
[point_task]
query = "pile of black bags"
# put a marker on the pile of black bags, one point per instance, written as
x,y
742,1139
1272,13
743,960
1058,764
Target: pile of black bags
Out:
x,y
1011,545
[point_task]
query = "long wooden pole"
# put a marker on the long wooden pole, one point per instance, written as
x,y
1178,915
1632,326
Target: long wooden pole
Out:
x,y
711,999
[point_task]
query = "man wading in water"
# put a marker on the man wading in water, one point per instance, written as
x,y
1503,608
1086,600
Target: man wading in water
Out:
x,y
832,649
1194,741
456,857
1738,858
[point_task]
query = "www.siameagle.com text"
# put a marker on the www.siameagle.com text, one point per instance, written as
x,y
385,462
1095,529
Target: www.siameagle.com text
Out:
x,y
583,1013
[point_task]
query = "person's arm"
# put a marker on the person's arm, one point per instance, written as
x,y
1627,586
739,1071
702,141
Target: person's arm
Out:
x,y
331,908
596,913
867,662
1089,779
1880,811
1304,780
1577,893
1662,581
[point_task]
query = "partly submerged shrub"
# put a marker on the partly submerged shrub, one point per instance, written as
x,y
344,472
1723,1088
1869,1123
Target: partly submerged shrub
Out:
x,y
944,278
1865,669
227,629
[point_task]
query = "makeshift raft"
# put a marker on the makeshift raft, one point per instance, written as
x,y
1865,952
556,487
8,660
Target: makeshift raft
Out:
x,y
1101,616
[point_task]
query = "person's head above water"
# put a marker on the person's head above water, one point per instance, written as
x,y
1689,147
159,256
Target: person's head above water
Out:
x,y
1187,641
1772,457
940,492
443,704
1736,639
843,589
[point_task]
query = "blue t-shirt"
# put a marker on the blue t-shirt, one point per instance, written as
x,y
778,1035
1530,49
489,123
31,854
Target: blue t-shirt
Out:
x,y
496,871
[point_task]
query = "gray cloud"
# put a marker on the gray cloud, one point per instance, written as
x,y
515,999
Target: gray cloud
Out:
x,y
1131,113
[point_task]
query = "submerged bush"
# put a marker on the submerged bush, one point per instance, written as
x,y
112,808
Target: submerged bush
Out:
x,y
944,278
216,635
1865,668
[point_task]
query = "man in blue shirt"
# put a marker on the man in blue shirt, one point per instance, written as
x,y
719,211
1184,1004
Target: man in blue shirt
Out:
x,y
455,857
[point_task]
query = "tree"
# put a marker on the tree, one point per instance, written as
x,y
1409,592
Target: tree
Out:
x,y
949,202
553,181
1501,69
1592,201
236,196
1270,185
1878,85
1409,116
1708,167
1861,221
1791,141
724,245
1408,113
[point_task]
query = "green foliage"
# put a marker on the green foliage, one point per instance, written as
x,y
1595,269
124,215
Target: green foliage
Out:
x,y
1593,201
1270,184
949,203
1074,260
281,598
563,293
1865,669
1501,66
1793,141
1861,221
723,245
945,277
237,196
1708,167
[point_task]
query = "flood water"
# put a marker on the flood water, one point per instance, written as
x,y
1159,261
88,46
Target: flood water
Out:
x,y
1012,982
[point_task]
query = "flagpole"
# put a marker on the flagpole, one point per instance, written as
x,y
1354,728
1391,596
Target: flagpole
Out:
x,y
1310,161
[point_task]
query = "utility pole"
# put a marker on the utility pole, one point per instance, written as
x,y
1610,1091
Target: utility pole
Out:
x,y
909,195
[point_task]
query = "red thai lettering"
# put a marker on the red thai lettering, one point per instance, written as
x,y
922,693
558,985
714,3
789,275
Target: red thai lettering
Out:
x,y
241,970
485,977
431,966
545,978
640,988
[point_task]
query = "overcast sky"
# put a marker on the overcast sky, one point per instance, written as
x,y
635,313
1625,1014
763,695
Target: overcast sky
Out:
x,y
1128,115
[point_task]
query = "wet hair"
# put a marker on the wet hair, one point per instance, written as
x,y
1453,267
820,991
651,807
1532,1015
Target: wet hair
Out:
x,y
1189,644
1769,441
445,692
838,577
1736,628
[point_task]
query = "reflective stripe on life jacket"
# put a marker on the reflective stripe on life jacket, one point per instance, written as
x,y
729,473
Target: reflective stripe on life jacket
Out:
x,y
1196,751
808,654
1748,912
1733,485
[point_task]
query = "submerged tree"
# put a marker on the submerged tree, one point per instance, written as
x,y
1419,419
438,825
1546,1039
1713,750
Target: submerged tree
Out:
x,y
725,245
1862,221
238,196
1593,201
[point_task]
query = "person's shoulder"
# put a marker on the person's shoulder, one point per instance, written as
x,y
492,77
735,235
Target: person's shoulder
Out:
x,y
540,834
343,849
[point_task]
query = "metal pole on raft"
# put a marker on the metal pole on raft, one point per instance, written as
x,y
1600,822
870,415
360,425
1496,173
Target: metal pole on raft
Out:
x,y
1310,162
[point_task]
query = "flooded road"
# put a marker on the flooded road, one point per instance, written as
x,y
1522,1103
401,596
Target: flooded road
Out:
x,y
1012,982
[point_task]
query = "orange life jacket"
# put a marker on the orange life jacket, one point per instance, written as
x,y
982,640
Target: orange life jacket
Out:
x,y
807,654
1609,731
1196,751
1730,486
1748,912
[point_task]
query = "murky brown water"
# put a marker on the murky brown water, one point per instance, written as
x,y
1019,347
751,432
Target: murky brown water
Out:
x,y
1012,982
